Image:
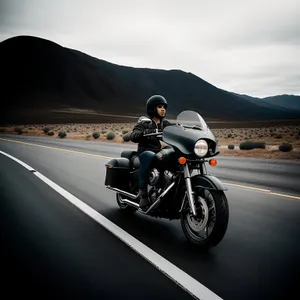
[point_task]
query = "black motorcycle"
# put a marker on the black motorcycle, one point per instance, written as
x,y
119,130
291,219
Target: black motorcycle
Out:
x,y
179,186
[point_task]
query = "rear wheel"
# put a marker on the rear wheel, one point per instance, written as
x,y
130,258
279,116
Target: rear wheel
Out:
x,y
123,206
208,229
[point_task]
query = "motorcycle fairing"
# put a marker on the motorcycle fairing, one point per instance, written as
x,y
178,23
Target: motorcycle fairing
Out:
x,y
184,139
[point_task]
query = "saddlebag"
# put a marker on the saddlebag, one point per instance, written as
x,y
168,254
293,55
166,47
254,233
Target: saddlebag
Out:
x,y
118,173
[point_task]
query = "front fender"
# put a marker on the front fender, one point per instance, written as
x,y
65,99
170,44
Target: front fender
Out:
x,y
207,181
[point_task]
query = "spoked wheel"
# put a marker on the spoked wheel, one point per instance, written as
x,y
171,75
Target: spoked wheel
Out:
x,y
123,206
210,226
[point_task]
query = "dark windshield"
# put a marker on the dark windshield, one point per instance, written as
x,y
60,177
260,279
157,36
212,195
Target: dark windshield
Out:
x,y
191,119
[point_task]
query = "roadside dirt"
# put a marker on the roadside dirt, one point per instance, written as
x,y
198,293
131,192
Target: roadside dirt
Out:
x,y
273,136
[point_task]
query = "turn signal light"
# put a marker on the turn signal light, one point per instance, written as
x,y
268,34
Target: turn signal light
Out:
x,y
182,160
213,162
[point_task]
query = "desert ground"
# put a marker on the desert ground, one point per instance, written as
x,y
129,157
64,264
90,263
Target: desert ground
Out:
x,y
231,134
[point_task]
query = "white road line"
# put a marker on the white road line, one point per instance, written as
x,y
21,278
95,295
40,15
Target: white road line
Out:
x,y
185,281
18,161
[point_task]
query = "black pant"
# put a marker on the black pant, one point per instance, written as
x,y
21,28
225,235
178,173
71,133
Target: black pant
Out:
x,y
145,158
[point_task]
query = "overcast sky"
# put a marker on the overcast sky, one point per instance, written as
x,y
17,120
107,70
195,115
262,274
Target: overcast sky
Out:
x,y
250,47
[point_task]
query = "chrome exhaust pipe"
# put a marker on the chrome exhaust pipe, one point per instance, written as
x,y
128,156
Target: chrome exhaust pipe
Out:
x,y
136,205
126,201
132,196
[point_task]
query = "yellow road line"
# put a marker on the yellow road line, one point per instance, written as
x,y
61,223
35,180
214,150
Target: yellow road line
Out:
x,y
102,156
247,187
262,190
61,149
284,195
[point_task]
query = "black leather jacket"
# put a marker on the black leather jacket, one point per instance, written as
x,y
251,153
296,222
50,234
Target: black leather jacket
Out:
x,y
149,143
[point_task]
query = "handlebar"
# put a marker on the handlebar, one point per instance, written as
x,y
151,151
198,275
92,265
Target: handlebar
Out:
x,y
158,134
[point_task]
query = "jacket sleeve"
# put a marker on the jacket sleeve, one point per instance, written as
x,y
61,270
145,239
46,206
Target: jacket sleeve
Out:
x,y
137,132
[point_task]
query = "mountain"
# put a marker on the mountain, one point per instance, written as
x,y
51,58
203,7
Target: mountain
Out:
x,y
288,102
40,76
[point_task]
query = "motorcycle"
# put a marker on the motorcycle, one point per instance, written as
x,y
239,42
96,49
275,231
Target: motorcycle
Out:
x,y
179,186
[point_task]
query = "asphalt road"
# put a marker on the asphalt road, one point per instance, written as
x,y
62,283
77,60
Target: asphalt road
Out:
x,y
275,175
51,243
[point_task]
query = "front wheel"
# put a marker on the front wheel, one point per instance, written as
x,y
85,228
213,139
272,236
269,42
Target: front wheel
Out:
x,y
208,229
123,206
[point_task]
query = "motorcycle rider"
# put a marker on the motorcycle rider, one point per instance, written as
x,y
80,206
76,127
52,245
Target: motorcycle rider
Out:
x,y
156,107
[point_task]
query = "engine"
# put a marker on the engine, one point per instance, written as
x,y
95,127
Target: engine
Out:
x,y
155,188
168,178
155,175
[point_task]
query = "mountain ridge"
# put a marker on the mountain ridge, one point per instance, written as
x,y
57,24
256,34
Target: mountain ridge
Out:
x,y
287,101
45,76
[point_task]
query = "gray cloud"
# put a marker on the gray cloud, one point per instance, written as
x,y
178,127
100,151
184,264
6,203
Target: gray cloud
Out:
x,y
247,47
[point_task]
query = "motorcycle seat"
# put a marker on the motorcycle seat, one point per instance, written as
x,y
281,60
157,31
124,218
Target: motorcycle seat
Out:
x,y
133,158
128,154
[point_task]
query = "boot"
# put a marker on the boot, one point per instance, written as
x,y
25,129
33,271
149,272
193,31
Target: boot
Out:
x,y
144,201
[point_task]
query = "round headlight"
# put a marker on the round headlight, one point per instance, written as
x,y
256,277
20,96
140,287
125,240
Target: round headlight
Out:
x,y
201,148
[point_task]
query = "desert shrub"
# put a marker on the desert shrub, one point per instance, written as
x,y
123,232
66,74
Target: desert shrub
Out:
x,y
231,147
88,136
125,131
246,145
229,135
126,137
18,130
249,145
46,129
110,136
50,133
96,134
285,147
259,145
62,134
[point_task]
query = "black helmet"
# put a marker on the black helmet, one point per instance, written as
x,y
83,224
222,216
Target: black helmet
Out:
x,y
152,103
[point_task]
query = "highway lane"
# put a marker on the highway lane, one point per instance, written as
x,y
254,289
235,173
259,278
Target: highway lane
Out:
x,y
258,259
49,248
93,147
276,175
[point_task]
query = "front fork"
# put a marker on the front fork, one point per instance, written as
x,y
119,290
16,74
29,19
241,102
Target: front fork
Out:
x,y
190,193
